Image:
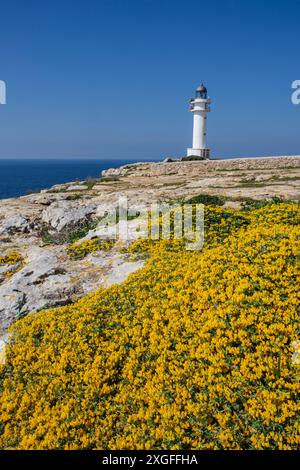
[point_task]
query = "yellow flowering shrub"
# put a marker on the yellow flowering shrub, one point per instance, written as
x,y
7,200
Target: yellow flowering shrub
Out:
x,y
80,250
218,224
194,351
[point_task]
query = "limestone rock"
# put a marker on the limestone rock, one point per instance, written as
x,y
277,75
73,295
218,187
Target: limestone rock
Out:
x,y
17,223
40,282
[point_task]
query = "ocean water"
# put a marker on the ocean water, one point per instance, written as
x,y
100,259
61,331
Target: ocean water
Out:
x,y
21,177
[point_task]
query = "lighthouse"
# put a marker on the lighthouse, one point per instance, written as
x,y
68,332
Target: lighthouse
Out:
x,y
199,106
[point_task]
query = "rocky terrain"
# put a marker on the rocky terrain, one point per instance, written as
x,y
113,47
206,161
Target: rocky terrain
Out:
x,y
39,227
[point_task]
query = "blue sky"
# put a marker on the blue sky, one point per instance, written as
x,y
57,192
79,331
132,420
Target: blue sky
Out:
x,y
112,78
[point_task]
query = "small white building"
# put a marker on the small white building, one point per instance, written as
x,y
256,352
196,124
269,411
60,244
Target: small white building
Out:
x,y
199,106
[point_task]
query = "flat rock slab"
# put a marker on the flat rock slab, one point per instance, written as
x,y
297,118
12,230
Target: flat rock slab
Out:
x,y
78,187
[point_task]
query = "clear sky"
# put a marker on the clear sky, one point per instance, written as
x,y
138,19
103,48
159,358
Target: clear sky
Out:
x,y
112,78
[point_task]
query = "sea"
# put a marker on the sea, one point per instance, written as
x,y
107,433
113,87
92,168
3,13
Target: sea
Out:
x,y
21,177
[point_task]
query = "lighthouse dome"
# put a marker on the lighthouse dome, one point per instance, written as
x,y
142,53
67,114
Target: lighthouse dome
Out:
x,y
201,91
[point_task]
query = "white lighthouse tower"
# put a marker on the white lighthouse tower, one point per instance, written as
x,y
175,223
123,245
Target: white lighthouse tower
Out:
x,y
199,106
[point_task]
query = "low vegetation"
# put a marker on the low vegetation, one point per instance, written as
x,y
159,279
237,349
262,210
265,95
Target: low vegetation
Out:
x,y
67,236
91,182
197,350
11,258
192,158
80,250
13,262
207,199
